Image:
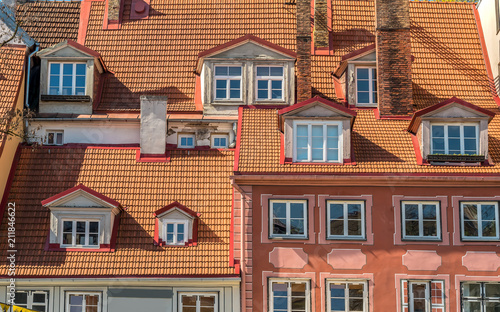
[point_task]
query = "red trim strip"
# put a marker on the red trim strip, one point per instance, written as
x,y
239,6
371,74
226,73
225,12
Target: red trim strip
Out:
x,y
10,180
197,94
176,205
416,147
238,140
485,55
84,20
127,276
314,100
231,233
157,233
83,188
282,148
367,174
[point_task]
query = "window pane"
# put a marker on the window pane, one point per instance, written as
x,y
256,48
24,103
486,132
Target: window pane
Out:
x,y
54,91
276,71
492,306
472,290
297,210
75,309
317,154
67,69
93,227
54,81
80,69
279,226
262,71
220,84
429,212
67,239
37,297
337,227
411,228
488,212
354,211
469,212
93,239
59,137
411,211
454,146
491,290
280,295
470,228
430,228
362,73
262,94
170,227
21,297
55,69
470,146
221,70
438,146
489,229
67,226
453,131
170,238
363,85
234,71
80,227
302,142
180,238
336,211
80,239
220,93
302,154
438,131
80,81
279,210
67,81
472,306
355,305
354,228
317,142
317,131
296,226
180,228
332,131
333,155
92,300
469,132
234,84
39,308
276,94
302,130
363,97
76,299
276,84
332,142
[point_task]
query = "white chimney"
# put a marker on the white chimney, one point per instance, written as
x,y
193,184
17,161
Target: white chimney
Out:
x,y
153,124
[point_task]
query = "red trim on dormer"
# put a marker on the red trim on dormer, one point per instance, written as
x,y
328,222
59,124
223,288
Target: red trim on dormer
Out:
x,y
339,91
358,52
238,140
173,206
156,238
418,153
84,20
197,94
415,120
82,187
321,100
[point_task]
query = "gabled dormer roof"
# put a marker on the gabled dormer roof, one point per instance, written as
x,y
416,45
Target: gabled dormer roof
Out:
x,y
355,55
80,196
316,107
460,109
64,48
247,39
176,206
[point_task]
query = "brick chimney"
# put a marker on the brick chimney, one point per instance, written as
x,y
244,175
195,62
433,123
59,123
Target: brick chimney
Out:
x,y
394,57
303,65
114,11
153,125
321,34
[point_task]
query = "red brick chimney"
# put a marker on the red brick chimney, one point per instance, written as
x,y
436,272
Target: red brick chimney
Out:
x,y
303,65
393,57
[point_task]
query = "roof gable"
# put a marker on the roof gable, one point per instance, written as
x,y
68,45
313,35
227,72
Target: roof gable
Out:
x,y
317,107
175,206
80,196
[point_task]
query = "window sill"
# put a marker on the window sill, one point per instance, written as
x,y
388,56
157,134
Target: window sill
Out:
x,y
347,239
456,158
228,102
101,248
189,243
289,161
288,238
65,98
421,240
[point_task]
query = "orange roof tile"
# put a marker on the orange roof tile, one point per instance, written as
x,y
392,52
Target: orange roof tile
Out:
x,y
197,179
50,22
11,68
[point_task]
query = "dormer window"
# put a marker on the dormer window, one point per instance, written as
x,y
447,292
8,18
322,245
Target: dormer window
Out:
x,y
55,137
176,225
459,139
366,86
317,141
269,82
67,78
185,140
82,219
227,82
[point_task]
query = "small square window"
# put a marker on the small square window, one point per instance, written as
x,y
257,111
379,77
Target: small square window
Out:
x,y
347,296
55,137
80,233
67,79
479,221
220,141
421,220
288,219
269,82
227,82
346,219
185,141
175,232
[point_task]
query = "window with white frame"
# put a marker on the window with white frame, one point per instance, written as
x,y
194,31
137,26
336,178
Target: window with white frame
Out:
x,y
346,219
288,218
269,82
461,139
83,302
175,232
227,84
423,296
36,300
198,302
479,220
366,86
421,220
220,140
67,78
185,140
347,296
55,137
479,297
317,141
80,233
289,295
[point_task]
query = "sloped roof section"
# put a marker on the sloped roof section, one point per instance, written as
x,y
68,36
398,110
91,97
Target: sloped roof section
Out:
x,y
50,22
198,179
11,73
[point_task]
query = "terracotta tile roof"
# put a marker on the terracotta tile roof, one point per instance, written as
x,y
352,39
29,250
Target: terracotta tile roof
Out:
x,y
158,55
50,22
380,146
197,179
11,68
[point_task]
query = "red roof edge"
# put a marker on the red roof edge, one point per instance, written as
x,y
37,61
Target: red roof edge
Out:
x,y
358,52
84,20
414,122
245,38
317,99
83,188
175,205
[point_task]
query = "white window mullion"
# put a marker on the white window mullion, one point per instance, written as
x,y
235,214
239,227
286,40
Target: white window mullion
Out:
x,y
346,223
288,222
73,80
370,87
462,144
420,221
60,78
325,143
289,296
309,142
446,150
73,232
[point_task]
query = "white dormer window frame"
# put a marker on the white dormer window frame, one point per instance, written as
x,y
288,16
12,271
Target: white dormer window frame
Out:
x,y
184,138
372,85
219,140
55,137
76,85
269,82
87,232
180,236
312,140
230,79
446,137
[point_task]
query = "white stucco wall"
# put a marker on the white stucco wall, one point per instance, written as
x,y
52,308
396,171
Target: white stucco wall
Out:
x,y
488,14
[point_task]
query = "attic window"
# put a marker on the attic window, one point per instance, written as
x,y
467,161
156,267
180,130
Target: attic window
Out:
x,y
459,139
67,78
366,86
176,225
317,141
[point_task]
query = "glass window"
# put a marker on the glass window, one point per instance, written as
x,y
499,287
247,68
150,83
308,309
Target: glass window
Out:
x,y
198,302
421,220
423,296
479,220
54,138
220,141
227,82
269,82
366,85
317,141
67,78
175,232
454,139
185,141
80,233
288,218
83,302
347,296
346,219
289,296
37,300
481,297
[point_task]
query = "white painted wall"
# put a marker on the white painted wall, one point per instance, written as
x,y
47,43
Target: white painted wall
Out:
x,y
488,12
